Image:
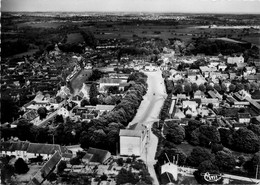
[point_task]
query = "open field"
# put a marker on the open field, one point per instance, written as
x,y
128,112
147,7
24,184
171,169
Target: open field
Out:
x,y
30,52
41,24
26,177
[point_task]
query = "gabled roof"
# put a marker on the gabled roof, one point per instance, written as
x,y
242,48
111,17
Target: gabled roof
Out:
x,y
199,93
110,80
243,115
98,155
170,168
13,146
41,175
38,148
87,157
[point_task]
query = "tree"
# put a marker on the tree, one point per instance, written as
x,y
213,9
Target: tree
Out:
x,y
194,87
187,88
225,161
93,92
103,177
192,125
215,147
255,129
42,111
175,133
198,155
252,164
96,75
226,136
9,109
23,130
178,89
202,87
205,135
232,87
89,38
239,86
84,102
246,140
75,161
20,166
126,176
52,177
61,167
209,87
208,166
224,88
217,87
210,106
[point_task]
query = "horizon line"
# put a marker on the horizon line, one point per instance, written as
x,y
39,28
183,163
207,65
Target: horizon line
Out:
x,y
135,12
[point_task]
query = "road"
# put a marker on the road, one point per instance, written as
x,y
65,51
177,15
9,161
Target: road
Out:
x,y
79,79
148,113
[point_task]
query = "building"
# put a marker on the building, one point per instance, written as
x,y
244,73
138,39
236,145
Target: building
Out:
x,y
170,168
132,142
199,94
104,83
243,117
206,101
235,60
150,67
47,168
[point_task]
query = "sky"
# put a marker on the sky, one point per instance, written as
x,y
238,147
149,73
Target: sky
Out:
x,y
175,6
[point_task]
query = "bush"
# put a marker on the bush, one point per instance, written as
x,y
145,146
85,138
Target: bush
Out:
x,y
20,166
61,167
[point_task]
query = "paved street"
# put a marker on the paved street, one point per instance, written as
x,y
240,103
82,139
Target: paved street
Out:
x,y
79,79
148,112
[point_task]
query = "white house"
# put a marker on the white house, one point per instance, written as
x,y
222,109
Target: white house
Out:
x,y
150,67
235,60
64,112
243,117
191,104
108,82
199,94
63,92
132,142
170,168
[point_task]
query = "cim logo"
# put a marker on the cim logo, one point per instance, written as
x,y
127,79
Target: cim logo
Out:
x,y
211,177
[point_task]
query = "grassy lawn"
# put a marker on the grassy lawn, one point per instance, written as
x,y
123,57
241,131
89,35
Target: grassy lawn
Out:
x,y
30,52
186,148
26,177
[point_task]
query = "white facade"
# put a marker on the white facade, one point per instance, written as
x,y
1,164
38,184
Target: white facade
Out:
x,y
64,112
235,60
130,145
132,142
150,68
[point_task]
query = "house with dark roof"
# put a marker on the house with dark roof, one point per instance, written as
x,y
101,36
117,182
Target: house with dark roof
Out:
x,y
47,168
96,155
27,149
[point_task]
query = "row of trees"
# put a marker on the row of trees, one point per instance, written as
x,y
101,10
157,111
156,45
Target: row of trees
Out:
x,y
164,114
243,140
104,131
190,88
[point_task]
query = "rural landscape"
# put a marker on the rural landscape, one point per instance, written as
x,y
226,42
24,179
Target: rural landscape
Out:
x,y
129,98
